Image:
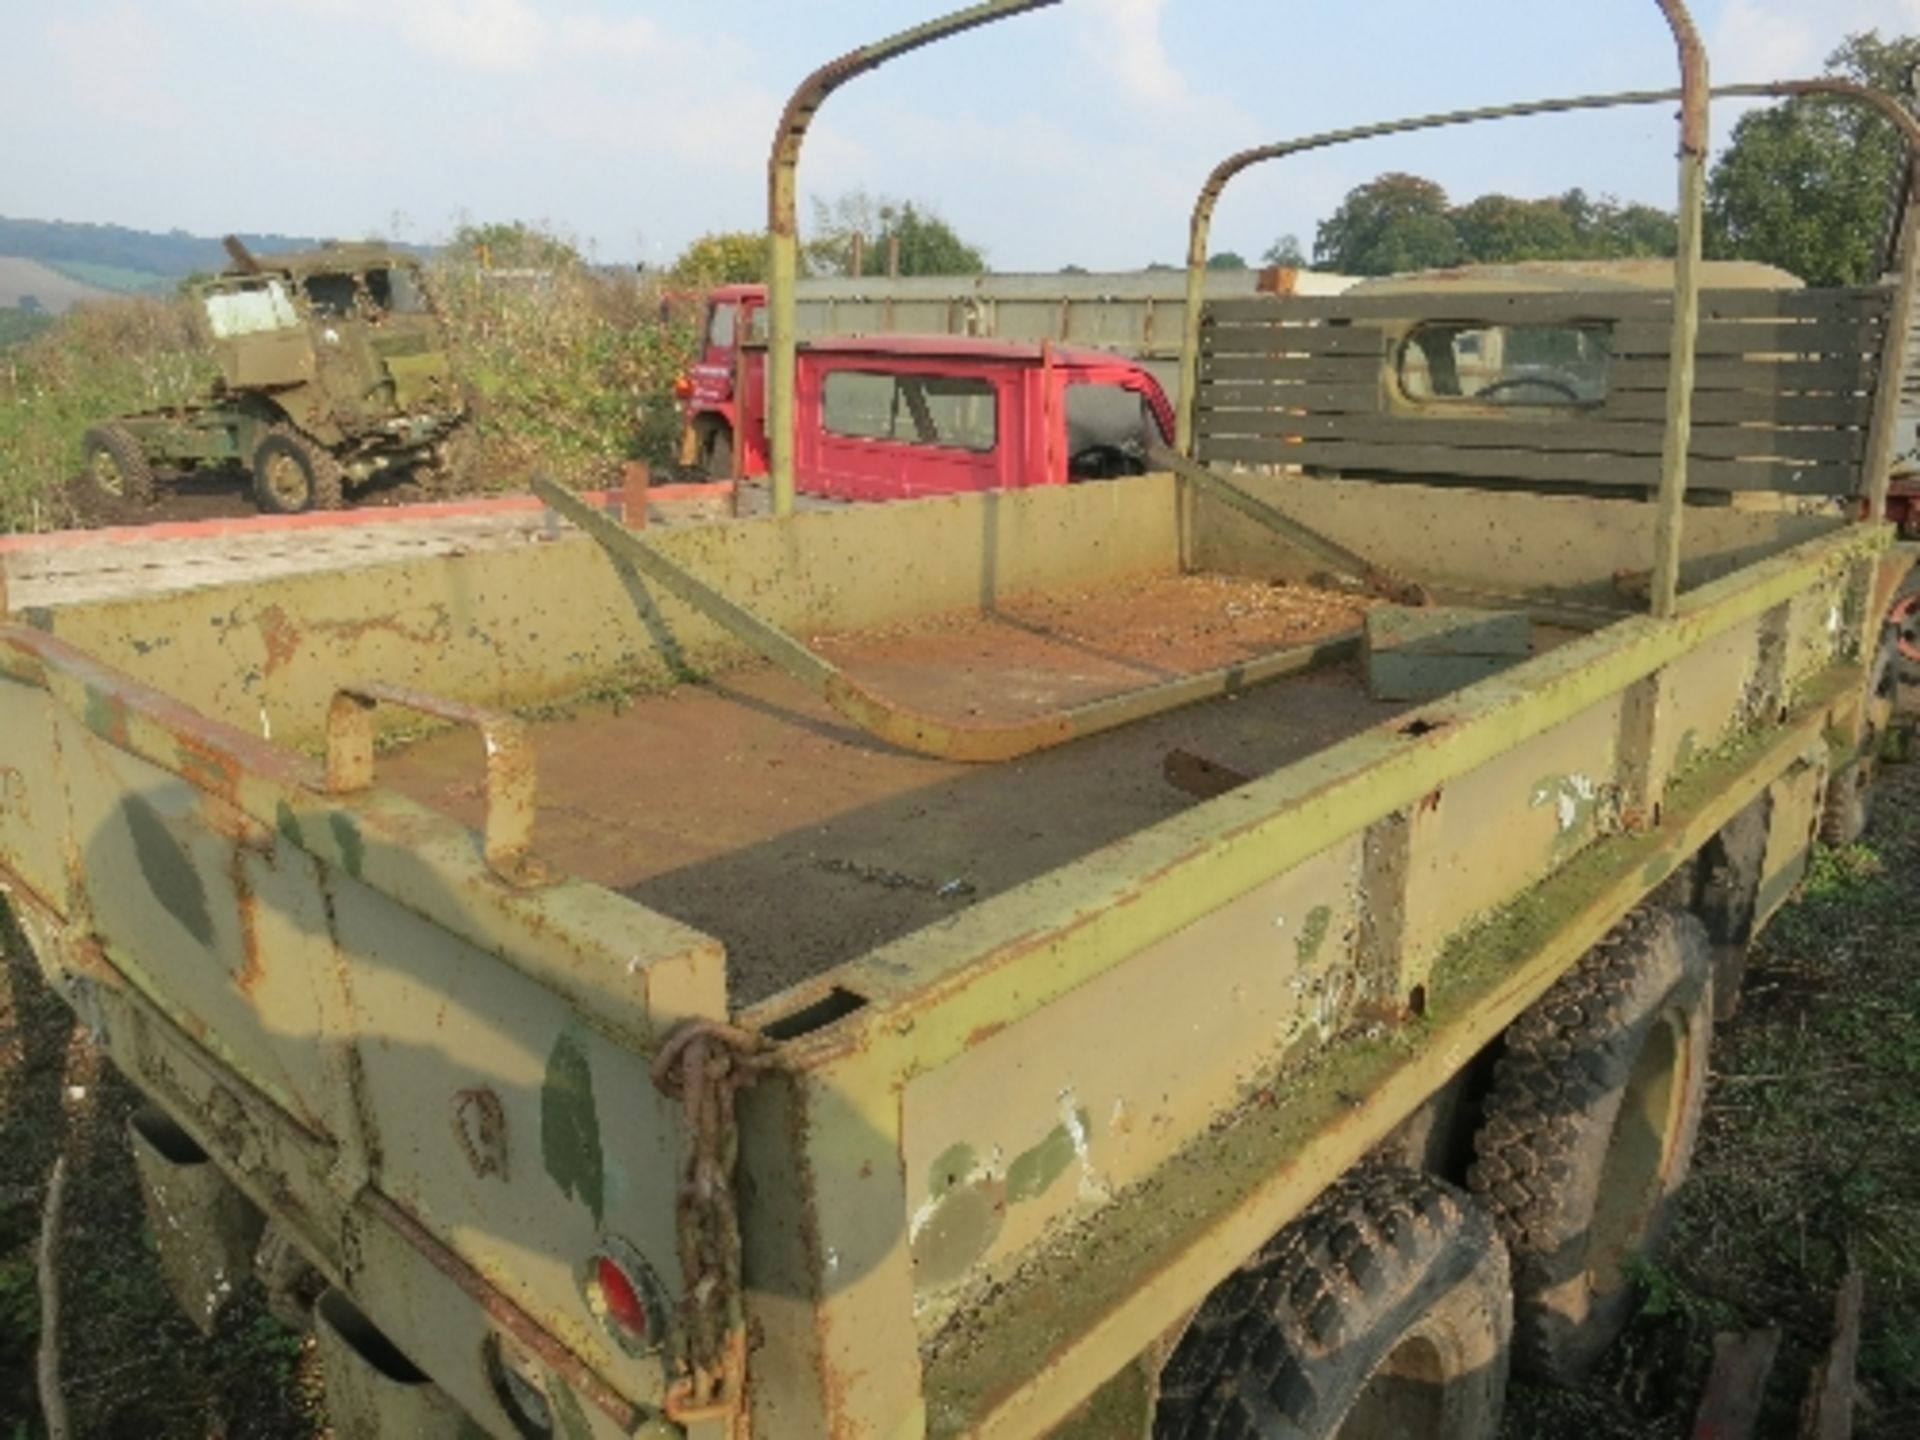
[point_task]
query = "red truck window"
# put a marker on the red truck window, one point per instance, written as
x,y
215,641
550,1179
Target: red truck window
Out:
x,y
958,412
720,327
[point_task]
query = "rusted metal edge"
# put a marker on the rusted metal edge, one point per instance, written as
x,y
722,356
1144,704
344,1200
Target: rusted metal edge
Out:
x,y
901,725
1676,437
507,831
1377,578
1402,1077
783,226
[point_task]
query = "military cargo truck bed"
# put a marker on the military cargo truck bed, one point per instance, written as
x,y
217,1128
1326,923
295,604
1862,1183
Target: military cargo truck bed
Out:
x,y
746,807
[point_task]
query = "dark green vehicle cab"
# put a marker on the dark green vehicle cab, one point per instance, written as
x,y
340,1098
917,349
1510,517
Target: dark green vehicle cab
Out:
x,y
333,370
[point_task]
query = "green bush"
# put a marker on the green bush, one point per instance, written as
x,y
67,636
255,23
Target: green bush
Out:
x,y
568,368
95,362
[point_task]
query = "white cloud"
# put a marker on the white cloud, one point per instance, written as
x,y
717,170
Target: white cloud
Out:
x,y
1787,39
113,57
1124,39
488,35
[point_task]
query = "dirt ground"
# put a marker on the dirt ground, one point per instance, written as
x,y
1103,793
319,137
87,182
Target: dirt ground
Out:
x,y
211,494
1809,1161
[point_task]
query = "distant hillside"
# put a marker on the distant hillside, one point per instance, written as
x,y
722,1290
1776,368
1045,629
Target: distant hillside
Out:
x,y
118,258
31,285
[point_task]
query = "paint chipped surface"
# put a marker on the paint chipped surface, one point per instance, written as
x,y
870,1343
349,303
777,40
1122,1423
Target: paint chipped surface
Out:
x,y
1573,798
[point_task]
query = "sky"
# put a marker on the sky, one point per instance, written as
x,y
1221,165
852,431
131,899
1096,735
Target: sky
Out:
x,y
1075,135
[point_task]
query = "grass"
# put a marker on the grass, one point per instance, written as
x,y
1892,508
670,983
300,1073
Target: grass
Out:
x,y
93,363
131,1364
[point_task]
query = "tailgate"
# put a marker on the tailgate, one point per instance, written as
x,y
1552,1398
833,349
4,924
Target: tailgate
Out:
x,y
439,1078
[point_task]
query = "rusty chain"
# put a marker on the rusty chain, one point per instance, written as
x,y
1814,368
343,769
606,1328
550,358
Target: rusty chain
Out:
x,y
704,1064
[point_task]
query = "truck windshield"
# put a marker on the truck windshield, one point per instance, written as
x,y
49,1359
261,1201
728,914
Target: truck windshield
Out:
x,y
250,309
720,327
331,296
1507,364
956,411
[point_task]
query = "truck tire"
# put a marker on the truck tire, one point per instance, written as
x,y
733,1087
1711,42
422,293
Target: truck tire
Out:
x,y
1728,895
1850,790
1905,620
291,474
451,467
117,464
1381,1312
1588,1131
719,452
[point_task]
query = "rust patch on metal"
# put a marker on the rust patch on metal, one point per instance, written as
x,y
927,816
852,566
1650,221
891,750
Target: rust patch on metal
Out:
x,y
282,635
480,1125
250,966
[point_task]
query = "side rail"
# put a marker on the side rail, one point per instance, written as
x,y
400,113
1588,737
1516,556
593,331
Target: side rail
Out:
x,y
433,1077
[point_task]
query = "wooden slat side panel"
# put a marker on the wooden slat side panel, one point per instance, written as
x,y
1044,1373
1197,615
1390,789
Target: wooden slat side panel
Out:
x,y
1784,389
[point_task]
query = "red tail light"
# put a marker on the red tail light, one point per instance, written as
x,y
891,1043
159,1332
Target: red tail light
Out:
x,y
625,1296
623,1308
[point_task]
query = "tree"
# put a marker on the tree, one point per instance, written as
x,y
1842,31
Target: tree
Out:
x,y
927,244
513,245
725,257
1226,260
1397,222
1498,229
1286,252
1806,185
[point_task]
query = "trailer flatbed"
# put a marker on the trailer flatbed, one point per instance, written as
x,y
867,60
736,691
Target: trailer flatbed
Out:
x,y
747,808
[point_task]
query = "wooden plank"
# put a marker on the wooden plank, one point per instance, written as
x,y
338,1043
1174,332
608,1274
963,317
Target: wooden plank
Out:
x,y
1292,395
1368,340
1334,369
1546,306
1479,432
1710,407
1835,374
1843,375
1755,337
1730,1408
1736,407
1828,1411
1564,467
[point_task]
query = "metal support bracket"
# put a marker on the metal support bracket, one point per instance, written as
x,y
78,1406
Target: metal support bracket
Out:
x,y
507,835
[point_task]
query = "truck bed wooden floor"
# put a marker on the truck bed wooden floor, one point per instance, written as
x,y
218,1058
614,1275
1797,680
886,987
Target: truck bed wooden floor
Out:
x,y
747,808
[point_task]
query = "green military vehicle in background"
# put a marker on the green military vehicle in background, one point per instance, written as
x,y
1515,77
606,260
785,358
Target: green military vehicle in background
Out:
x,y
333,370
1226,951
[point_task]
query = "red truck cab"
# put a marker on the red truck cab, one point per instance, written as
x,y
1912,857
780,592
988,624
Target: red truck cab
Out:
x,y
711,391
897,416
887,417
